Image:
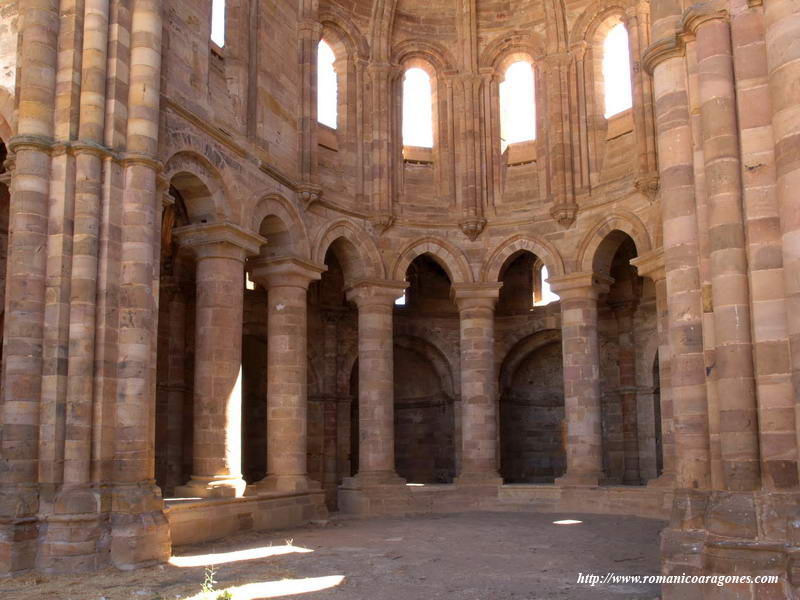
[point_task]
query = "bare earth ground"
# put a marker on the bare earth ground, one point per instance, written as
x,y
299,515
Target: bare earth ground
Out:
x,y
468,556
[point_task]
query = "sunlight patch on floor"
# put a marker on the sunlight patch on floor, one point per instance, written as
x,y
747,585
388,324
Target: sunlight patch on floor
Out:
x,y
273,589
221,558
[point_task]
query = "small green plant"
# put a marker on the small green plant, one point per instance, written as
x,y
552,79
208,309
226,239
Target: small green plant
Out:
x,y
208,586
208,581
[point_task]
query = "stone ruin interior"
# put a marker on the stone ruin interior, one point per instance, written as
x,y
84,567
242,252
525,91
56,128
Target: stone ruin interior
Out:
x,y
271,262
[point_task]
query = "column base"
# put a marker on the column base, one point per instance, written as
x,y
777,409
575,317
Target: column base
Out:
x,y
288,484
579,480
374,493
212,487
479,478
372,479
75,536
19,529
724,533
140,535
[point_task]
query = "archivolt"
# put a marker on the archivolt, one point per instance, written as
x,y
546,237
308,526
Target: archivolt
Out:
x,y
592,17
437,55
369,264
209,199
542,249
336,20
592,245
451,259
516,41
275,205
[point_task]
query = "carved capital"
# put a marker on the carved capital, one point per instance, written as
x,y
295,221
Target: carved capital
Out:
x,y
648,185
651,265
381,223
702,12
473,227
658,52
564,214
308,194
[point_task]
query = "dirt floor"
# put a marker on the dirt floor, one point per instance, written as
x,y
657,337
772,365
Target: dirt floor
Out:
x,y
469,556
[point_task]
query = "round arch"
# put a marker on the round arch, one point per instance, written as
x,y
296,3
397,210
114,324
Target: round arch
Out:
x,y
200,185
449,258
280,210
598,243
497,52
542,249
588,24
337,23
367,258
424,51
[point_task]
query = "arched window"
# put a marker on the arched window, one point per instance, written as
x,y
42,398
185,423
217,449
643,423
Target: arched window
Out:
x,y
617,71
326,85
218,22
547,295
417,109
517,105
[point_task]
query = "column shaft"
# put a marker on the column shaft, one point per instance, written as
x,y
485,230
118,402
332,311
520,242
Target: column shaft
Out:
x,y
479,417
376,463
217,460
85,248
730,287
579,293
286,281
782,22
23,326
286,383
681,257
139,531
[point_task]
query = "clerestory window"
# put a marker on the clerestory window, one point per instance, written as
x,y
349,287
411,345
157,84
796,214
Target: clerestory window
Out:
x,y
617,71
417,109
517,105
327,86
218,22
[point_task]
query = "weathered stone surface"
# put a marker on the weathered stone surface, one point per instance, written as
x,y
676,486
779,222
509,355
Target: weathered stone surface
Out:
x,y
199,281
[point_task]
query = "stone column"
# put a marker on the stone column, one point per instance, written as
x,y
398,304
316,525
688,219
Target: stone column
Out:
x,y
579,293
286,281
652,265
375,302
628,392
220,250
25,283
139,529
735,378
681,254
89,155
782,21
479,417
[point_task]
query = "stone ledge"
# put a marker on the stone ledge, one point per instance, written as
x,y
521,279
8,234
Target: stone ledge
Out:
x,y
194,520
651,503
